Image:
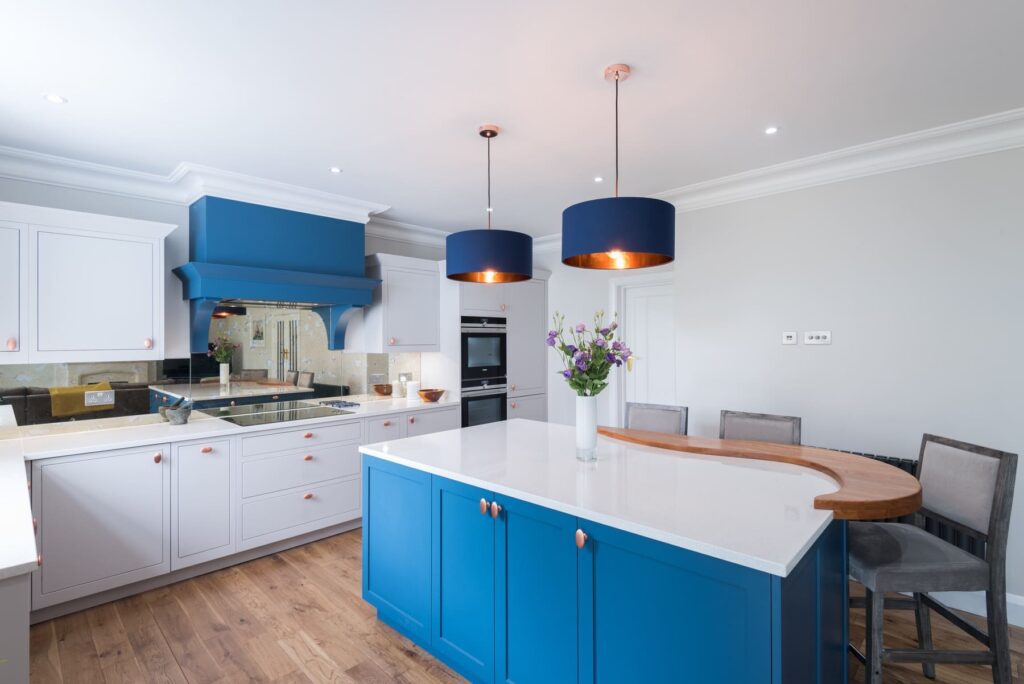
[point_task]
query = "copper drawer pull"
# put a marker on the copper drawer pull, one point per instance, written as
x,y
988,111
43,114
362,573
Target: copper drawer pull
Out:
x,y
581,539
515,405
514,387
12,344
387,423
412,419
495,509
157,457
39,560
307,457
392,341
307,496
275,397
147,343
206,450
484,506
308,435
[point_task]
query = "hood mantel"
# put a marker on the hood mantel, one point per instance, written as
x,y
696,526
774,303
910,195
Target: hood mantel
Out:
x,y
249,253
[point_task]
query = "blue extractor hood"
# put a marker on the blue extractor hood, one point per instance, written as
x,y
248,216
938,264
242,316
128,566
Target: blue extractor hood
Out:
x,y
243,253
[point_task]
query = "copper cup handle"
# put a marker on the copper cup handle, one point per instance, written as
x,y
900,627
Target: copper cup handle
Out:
x,y
387,423
495,509
581,539
483,506
206,450
412,419
308,435
157,457
307,496
307,457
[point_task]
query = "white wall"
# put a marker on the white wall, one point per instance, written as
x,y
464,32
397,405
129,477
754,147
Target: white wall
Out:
x,y
919,274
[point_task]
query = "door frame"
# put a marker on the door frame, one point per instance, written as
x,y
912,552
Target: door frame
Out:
x,y
617,289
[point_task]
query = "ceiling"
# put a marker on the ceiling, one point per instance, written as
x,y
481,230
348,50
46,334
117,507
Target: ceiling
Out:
x,y
392,92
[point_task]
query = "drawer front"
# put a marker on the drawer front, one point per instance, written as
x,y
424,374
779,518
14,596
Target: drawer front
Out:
x,y
433,421
303,438
294,469
301,508
384,429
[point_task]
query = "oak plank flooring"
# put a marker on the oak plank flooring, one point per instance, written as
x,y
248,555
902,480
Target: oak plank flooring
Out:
x,y
297,617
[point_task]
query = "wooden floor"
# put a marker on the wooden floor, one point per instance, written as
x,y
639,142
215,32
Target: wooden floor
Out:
x,y
297,616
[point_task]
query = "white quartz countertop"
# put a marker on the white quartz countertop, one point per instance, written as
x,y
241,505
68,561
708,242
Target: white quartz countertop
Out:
x,y
17,537
758,514
208,391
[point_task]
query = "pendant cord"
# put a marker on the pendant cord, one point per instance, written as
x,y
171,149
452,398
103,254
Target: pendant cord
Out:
x,y
616,133
489,207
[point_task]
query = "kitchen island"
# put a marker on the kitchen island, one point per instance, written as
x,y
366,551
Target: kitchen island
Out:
x,y
497,551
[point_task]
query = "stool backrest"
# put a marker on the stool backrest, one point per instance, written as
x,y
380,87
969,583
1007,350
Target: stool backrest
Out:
x,y
656,417
762,427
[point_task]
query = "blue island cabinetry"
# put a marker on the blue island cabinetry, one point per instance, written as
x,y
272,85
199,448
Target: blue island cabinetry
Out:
x,y
496,588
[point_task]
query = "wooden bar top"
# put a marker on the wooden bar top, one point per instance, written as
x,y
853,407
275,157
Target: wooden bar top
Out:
x,y
868,489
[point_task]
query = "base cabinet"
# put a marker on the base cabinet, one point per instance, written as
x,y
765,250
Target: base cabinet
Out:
x,y
514,592
201,524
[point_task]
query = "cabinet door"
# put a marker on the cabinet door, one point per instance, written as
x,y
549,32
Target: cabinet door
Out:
x,y
104,521
527,325
534,407
694,618
385,429
411,315
423,423
396,546
535,578
96,297
201,491
462,621
14,289
479,299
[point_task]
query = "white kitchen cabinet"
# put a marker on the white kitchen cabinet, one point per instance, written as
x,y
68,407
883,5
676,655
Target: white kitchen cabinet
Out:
x,y
405,313
479,299
527,327
13,292
104,521
202,514
95,285
386,428
534,407
427,422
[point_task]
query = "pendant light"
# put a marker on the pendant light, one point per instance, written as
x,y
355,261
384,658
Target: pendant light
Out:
x,y
486,255
618,232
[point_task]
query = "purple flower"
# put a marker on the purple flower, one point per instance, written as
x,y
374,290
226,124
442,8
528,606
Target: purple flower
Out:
x,y
551,340
600,342
616,345
614,325
581,364
571,349
612,358
567,374
605,331
580,327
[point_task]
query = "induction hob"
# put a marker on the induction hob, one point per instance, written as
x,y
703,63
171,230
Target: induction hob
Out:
x,y
272,412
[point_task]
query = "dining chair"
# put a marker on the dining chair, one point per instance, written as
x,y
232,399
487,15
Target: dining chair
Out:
x,y
969,490
291,377
253,374
761,427
305,379
656,417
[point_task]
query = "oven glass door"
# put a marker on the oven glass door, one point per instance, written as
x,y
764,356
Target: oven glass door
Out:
x,y
486,409
483,355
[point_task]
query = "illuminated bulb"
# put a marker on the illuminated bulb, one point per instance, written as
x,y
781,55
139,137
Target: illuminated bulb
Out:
x,y
598,179
489,276
489,209
618,257
771,130
335,169
55,98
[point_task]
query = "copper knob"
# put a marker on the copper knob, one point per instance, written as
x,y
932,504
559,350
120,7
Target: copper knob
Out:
x,y
581,539
308,435
504,306
513,387
392,340
515,405
206,450
147,343
232,402
275,397
12,344
387,423
483,506
307,457
39,560
157,457
495,509
307,496
412,419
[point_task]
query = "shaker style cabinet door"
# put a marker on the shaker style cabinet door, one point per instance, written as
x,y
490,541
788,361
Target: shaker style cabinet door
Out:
x,y
13,292
481,299
201,528
411,319
104,521
527,328
534,407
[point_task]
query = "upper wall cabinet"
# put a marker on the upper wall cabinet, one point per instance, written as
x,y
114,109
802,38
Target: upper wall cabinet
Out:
x,y
526,307
479,299
95,285
13,292
405,313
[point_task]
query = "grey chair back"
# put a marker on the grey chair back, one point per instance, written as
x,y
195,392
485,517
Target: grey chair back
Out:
x,y
656,417
253,374
761,427
305,379
291,377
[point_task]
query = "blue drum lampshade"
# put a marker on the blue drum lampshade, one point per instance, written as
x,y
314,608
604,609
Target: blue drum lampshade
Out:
x,y
489,256
619,233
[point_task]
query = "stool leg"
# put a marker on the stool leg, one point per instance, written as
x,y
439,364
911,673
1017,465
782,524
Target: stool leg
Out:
x,y
874,626
924,633
999,636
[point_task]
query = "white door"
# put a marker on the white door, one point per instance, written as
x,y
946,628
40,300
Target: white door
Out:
x,y
411,321
95,297
13,292
478,299
648,323
284,341
527,324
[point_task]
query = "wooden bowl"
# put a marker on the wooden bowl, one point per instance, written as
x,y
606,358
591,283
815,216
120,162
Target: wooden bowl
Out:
x,y
382,390
431,394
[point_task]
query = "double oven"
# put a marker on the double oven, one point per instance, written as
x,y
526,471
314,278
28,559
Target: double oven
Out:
x,y
484,358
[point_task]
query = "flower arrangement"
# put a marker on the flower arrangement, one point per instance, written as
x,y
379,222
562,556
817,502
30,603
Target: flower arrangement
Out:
x,y
589,355
222,350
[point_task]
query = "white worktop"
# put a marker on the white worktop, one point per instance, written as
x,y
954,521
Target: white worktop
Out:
x,y
758,514
17,538
209,391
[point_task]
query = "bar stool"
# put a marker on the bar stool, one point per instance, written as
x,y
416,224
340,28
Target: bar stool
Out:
x,y
656,417
760,427
969,490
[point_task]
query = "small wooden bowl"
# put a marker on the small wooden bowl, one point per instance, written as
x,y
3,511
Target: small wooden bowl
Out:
x,y
382,390
431,394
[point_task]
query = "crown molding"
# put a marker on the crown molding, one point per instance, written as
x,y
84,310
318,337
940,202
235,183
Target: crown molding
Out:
x,y
409,233
184,185
992,133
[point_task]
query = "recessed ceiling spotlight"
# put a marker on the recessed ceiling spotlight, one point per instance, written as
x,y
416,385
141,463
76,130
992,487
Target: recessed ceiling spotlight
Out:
x,y
54,98
771,130
335,169
598,179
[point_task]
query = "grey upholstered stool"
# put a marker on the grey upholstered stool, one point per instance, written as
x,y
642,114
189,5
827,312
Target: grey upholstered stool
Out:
x,y
761,427
968,489
656,417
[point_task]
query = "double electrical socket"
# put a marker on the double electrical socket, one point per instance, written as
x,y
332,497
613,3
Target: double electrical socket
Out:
x,y
810,337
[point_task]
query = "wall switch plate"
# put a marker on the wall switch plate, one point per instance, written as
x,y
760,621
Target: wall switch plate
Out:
x,y
818,337
789,337
99,398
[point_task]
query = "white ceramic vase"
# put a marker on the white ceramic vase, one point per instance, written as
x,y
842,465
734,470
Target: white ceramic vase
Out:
x,y
586,428
225,373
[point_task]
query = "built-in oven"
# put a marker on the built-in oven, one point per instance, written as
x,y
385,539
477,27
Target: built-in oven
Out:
x,y
483,348
484,401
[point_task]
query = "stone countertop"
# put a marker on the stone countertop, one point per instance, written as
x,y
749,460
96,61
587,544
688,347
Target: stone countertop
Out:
x,y
757,514
208,391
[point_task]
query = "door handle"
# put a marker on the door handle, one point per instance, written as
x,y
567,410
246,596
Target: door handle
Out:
x,y
581,539
484,506
12,344
495,509
206,450
157,457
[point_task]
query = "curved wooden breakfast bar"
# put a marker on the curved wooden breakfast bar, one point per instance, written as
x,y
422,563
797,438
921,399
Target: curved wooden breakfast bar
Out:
x,y
868,489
